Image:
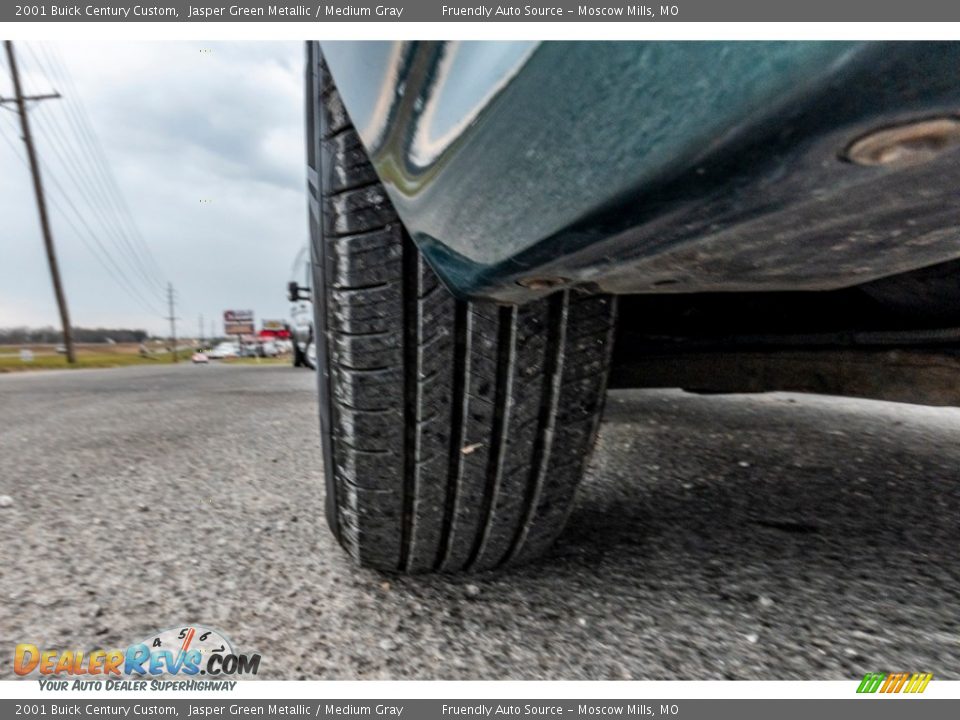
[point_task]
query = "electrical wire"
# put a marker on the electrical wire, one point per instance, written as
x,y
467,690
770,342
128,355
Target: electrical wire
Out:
x,y
84,163
74,102
97,249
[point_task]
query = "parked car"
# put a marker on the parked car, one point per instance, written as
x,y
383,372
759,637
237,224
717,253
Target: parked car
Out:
x,y
199,358
502,231
224,350
268,349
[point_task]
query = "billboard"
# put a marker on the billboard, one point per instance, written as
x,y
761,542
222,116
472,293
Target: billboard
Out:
x,y
273,324
238,322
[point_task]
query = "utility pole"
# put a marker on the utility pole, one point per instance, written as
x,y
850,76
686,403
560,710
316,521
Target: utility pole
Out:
x,y
200,323
172,317
20,100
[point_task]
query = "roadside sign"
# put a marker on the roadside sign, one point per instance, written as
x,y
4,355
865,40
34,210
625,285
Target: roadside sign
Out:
x,y
273,324
238,322
26,355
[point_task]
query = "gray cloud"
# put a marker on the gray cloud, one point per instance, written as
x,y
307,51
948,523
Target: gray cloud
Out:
x,y
178,126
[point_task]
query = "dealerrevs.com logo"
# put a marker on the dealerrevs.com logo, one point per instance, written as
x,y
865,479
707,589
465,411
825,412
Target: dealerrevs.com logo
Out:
x,y
186,651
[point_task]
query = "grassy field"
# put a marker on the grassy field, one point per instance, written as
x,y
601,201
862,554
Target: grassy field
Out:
x,y
45,357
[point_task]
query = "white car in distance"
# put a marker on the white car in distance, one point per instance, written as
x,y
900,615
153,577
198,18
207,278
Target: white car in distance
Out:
x,y
224,350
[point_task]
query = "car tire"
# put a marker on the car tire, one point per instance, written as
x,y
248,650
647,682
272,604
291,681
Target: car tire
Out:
x,y
454,433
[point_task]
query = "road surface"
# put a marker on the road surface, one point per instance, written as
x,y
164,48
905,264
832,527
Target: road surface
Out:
x,y
741,537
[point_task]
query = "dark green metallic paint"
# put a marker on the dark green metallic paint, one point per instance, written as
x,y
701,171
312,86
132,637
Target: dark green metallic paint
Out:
x,y
655,167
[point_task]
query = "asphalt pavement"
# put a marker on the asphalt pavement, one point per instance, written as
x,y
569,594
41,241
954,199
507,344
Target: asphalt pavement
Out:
x,y
722,537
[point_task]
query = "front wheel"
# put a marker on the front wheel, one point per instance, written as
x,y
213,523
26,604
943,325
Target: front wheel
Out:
x,y
454,432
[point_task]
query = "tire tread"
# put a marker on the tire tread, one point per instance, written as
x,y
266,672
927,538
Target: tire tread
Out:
x,y
459,430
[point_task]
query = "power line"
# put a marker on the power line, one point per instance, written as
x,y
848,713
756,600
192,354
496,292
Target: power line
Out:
x,y
103,256
20,101
91,144
87,170
73,167
74,172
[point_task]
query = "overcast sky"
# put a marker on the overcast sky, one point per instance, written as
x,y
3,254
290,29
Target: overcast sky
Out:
x,y
179,123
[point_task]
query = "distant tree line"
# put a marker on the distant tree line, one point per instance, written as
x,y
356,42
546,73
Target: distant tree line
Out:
x,y
46,335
